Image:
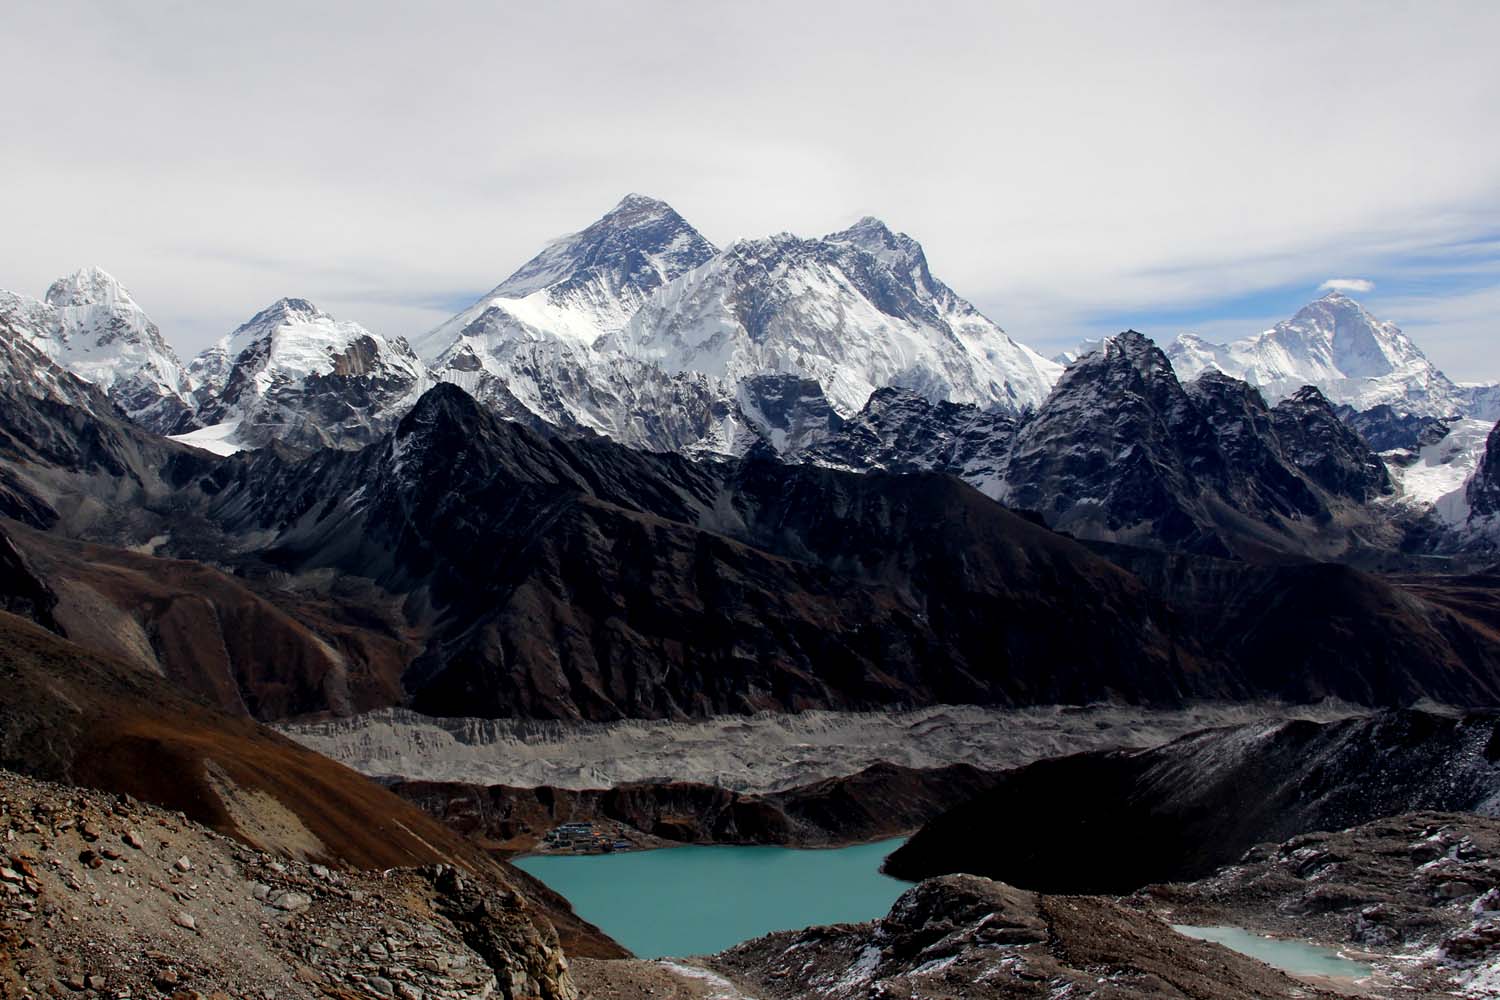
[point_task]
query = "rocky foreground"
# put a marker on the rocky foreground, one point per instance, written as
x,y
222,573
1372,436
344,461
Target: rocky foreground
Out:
x,y
105,896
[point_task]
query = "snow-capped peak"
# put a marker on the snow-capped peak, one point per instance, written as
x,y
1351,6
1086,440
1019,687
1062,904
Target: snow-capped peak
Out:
x,y
89,286
1337,345
294,373
89,324
289,340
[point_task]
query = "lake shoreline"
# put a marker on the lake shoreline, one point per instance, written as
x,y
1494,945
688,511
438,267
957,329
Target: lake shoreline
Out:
x,y
702,899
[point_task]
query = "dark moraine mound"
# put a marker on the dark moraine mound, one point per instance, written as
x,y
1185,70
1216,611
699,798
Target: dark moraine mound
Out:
x,y
881,801
1113,822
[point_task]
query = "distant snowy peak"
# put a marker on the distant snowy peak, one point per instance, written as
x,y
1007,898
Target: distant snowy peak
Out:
x,y
89,324
856,311
1335,344
294,373
582,286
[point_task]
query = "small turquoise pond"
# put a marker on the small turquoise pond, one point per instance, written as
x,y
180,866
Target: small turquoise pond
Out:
x,y
1297,957
698,900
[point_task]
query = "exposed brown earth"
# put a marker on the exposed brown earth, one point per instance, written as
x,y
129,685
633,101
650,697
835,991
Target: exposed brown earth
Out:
x,y
88,719
101,895
214,636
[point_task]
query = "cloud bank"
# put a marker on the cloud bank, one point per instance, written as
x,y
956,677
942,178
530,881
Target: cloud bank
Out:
x,y
1062,164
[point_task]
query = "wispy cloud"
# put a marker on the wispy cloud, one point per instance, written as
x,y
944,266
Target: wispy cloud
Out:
x,y
1358,285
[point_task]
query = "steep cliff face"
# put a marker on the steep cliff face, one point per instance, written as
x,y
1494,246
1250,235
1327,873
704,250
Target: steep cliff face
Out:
x,y
1483,490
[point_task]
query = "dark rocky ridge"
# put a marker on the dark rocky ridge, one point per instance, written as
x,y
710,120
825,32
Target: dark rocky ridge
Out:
x,y
1122,451
899,430
579,579
1113,822
1386,429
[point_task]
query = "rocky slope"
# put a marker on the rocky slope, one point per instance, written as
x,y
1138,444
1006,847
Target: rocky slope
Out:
x,y
967,937
107,896
89,324
1337,346
1181,810
95,721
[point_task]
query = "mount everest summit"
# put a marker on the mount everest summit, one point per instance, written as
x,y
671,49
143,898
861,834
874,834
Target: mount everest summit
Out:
x,y
844,351
637,328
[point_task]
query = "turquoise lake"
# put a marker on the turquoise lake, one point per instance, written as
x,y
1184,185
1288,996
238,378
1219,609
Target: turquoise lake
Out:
x,y
1297,957
697,900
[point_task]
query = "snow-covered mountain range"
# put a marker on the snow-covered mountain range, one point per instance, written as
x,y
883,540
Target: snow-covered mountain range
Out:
x,y
637,328
843,350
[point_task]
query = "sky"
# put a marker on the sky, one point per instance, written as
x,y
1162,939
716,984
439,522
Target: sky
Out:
x,y
1074,172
